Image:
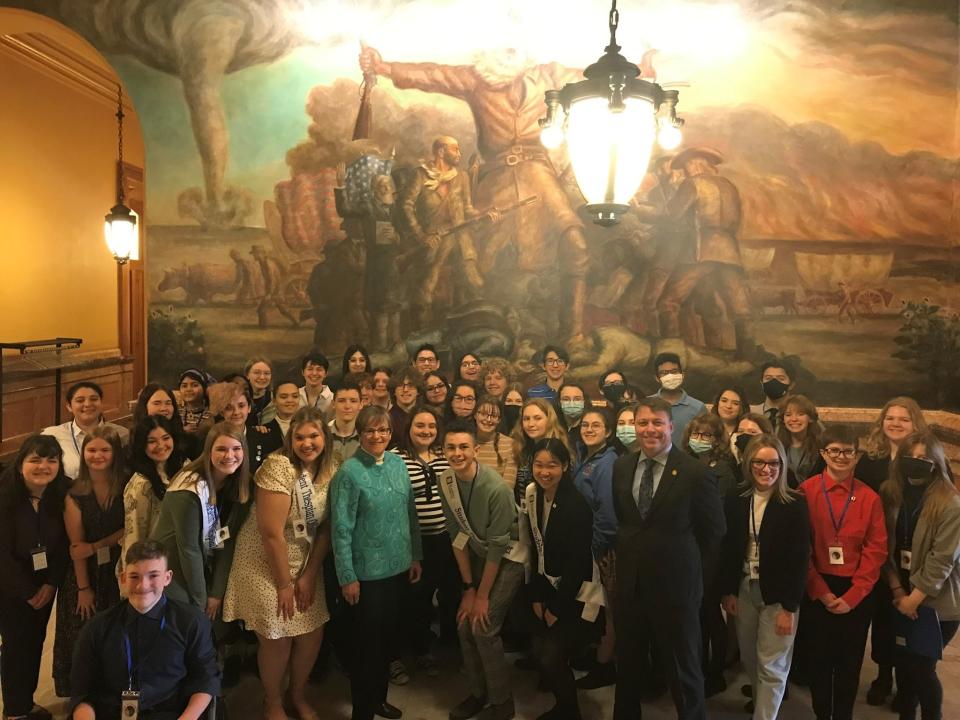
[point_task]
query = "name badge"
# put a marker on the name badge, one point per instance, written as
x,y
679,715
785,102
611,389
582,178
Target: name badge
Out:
x,y
39,556
129,705
103,555
300,530
836,554
906,557
754,570
223,534
460,541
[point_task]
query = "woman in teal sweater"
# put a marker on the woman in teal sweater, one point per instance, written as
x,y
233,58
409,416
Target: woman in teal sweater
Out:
x,y
201,515
376,546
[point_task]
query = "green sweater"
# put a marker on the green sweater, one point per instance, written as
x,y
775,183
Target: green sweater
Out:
x,y
492,514
180,529
374,519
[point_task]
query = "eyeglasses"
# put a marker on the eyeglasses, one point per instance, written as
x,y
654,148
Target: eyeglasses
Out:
x,y
426,360
835,452
373,432
554,362
435,387
488,415
761,464
702,436
406,385
467,399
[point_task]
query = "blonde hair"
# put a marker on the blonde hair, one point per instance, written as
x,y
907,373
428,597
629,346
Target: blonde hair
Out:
x,y
311,416
941,490
84,483
876,444
554,429
782,488
201,467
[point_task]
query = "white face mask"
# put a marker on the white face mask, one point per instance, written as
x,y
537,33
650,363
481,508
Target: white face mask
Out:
x,y
671,381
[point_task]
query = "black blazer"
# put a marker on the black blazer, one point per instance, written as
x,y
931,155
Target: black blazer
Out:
x,y
567,552
665,559
784,541
261,444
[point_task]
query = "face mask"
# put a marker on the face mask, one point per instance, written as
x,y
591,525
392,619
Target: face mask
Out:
x,y
671,381
700,446
613,392
774,389
915,468
742,440
572,409
627,434
511,414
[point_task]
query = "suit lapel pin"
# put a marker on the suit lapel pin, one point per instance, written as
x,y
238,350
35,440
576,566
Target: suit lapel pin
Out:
x,y
674,473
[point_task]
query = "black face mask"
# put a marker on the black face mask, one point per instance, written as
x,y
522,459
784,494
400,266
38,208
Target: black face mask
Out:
x,y
511,413
743,439
613,392
774,389
915,468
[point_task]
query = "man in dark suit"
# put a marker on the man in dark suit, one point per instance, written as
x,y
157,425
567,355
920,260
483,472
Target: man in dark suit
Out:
x,y
670,523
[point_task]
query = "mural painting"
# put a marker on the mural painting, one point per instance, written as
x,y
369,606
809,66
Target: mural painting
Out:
x,y
327,172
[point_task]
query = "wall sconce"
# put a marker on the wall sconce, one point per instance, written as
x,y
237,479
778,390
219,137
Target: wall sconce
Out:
x,y
120,224
610,123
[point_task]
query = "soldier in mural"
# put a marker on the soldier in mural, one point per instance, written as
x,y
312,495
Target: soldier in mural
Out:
x,y
435,200
273,271
664,241
382,290
706,208
245,277
506,98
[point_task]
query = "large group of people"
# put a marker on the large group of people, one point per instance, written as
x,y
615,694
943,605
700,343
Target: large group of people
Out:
x,y
649,540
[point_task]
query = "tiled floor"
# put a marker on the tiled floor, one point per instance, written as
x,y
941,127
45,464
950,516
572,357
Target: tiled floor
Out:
x,y
431,699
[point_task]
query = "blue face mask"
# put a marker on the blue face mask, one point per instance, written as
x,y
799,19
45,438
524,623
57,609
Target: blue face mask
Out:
x,y
572,409
627,434
700,446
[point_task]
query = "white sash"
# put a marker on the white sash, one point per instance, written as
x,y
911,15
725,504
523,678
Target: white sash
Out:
x,y
303,497
517,550
591,593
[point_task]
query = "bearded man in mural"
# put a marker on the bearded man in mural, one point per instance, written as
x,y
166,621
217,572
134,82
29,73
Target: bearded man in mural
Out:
x,y
505,95
707,211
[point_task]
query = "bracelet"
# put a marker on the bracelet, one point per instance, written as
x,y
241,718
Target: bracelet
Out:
x,y
284,587
83,588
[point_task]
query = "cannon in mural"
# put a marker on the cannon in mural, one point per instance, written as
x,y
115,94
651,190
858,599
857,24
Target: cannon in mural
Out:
x,y
849,282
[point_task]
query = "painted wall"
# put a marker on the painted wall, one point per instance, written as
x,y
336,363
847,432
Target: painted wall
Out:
x,y
56,184
835,125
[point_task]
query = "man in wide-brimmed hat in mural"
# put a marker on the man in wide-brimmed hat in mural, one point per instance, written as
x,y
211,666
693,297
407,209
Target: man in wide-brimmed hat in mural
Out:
x,y
707,209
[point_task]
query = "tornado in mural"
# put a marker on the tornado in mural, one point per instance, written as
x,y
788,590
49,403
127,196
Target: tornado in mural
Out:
x,y
198,41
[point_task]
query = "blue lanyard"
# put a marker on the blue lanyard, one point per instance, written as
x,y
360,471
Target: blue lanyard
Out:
x,y
129,651
909,522
833,519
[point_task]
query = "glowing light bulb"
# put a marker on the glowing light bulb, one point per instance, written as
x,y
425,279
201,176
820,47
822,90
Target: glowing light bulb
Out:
x,y
551,136
669,136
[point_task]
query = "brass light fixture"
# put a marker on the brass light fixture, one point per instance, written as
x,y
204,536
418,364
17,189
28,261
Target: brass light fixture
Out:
x,y
120,224
610,121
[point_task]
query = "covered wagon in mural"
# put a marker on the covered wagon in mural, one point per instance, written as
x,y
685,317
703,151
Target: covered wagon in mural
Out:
x,y
848,282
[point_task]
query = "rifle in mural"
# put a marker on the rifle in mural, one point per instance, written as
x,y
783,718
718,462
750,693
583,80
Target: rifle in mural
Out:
x,y
404,259
363,127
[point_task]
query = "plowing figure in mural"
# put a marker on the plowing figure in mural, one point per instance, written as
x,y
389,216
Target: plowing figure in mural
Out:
x,y
706,209
274,272
506,98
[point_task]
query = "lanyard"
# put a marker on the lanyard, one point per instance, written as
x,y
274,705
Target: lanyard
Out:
x,y
73,436
473,486
753,526
837,524
907,523
430,478
131,668
40,523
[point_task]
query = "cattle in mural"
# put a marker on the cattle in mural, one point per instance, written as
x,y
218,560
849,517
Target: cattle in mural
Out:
x,y
811,201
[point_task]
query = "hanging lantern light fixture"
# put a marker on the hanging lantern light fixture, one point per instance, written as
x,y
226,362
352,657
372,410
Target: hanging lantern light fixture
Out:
x,y
610,122
120,224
